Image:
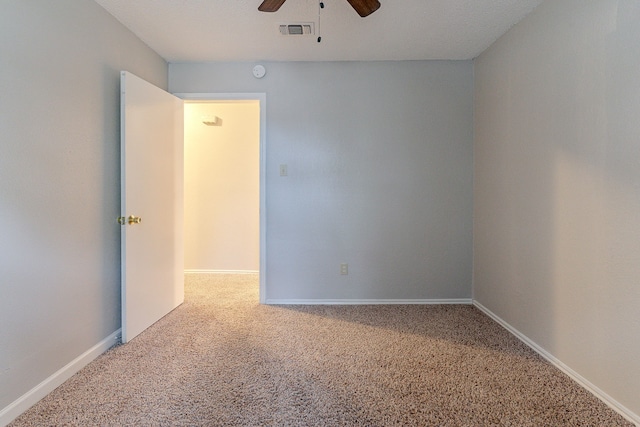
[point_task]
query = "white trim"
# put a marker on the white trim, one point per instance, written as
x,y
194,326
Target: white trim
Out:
x,y
466,301
597,392
34,395
221,272
262,98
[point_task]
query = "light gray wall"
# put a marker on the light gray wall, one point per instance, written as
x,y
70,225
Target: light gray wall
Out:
x,y
59,182
379,156
557,187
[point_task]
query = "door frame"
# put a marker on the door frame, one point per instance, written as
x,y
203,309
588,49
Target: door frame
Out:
x,y
262,99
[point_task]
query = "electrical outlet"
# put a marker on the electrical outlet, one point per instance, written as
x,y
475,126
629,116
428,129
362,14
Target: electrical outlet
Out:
x,y
344,269
284,171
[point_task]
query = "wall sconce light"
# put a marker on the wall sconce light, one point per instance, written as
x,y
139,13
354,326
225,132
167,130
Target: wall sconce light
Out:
x,y
211,120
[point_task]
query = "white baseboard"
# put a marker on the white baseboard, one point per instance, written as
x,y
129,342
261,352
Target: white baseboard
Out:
x,y
467,301
34,395
221,272
597,392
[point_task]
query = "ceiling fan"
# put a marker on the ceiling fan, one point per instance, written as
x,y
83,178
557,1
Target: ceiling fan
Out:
x,y
363,7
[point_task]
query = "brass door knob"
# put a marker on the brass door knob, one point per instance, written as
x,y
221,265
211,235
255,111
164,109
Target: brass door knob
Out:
x,y
134,220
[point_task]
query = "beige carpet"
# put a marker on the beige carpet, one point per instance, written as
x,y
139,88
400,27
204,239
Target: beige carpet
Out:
x,y
223,360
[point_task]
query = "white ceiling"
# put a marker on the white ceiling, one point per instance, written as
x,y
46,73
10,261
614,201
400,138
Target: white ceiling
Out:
x,y
234,30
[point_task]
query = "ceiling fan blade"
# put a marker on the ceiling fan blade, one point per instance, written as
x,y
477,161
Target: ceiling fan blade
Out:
x,y
270,5
365,7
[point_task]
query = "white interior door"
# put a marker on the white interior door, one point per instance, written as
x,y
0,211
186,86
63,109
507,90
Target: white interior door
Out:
x,y
152,204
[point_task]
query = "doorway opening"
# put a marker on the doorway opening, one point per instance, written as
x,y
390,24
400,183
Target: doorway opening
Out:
x,y
224,184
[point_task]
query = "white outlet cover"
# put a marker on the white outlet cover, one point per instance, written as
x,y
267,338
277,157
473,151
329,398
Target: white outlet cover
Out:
x,y
259,71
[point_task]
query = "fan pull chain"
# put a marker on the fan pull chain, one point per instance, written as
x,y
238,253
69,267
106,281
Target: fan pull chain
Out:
x,y
321,6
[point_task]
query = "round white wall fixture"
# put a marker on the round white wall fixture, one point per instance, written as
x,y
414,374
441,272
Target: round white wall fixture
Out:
x,y
259,71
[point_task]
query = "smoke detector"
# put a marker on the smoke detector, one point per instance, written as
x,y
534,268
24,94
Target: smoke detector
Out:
x,y
297,29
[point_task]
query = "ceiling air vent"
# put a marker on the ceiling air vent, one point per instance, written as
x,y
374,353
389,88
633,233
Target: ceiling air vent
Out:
x,y
299,29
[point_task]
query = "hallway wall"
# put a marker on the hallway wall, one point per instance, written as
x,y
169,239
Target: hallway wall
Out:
x,y
222,189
